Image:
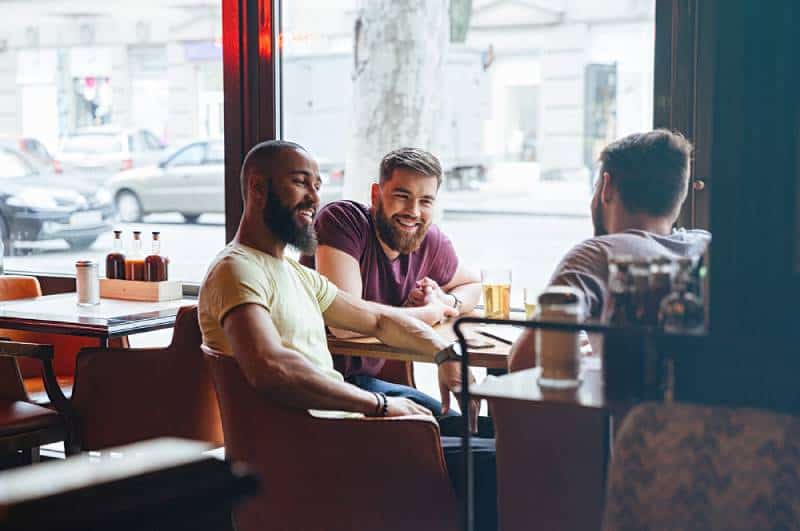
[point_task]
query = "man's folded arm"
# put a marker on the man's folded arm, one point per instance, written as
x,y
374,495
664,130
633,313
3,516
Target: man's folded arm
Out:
x,y
283,373
392,326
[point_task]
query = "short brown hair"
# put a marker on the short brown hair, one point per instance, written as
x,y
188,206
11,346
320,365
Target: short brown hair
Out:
x,y
650,170
413,159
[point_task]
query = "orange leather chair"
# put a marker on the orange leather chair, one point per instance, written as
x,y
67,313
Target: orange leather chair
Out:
x,y
124,395
65,347
333,474
24,426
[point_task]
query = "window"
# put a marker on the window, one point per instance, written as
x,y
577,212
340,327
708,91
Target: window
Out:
x,y
108,96
517,108
190,156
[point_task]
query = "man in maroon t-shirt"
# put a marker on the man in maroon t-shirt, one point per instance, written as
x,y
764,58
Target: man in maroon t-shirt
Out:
x,y
391,253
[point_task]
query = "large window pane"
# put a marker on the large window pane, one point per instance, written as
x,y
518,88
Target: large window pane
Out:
x,y
516,101
98,96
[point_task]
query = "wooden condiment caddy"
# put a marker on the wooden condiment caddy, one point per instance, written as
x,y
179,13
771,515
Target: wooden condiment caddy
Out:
x,y
138,290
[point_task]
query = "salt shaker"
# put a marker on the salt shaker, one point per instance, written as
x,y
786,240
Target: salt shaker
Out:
x,y
87,283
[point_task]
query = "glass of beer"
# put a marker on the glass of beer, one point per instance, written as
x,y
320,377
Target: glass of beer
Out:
x,y
531,296
496,293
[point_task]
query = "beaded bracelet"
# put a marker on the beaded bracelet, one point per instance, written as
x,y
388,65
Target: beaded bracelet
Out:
x,y
385,406
378,403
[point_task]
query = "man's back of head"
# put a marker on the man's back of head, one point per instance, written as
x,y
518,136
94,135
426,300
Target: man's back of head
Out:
x,y
650,171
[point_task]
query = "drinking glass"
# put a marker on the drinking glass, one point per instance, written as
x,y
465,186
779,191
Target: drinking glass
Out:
x,y
496,293
530,296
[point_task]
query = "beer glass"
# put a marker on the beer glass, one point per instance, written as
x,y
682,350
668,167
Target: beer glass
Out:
x,y
496,293
531,296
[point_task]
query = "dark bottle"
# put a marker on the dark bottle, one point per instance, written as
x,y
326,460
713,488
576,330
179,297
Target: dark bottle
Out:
x,y
624,344
134,262
621,310
155,265
662,271
682,311
115,260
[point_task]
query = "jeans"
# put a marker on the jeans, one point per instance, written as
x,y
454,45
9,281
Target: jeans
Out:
x,y
449,424
370,383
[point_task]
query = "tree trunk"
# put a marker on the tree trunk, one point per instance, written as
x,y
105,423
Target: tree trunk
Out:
x,y
400,46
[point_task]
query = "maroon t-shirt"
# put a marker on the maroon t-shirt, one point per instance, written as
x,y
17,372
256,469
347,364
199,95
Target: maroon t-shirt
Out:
x,y
348,227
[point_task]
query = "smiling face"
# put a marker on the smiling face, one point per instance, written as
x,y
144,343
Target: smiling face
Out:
x,y
402,208
293,200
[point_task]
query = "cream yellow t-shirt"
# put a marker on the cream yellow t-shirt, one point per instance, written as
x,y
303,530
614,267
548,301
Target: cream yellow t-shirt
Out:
x,y
295,297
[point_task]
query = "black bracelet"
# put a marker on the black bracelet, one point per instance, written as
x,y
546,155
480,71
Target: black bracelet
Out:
x,y
385,405
378,404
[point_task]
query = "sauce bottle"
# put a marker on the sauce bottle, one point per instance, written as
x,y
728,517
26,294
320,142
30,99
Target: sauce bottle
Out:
x,y
115,260
156,266
134,262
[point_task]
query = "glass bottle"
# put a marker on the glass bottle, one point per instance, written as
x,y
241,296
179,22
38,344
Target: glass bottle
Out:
x,y
134,262
640,290
662,271
155,265
620,304
682,311
623,363
115,260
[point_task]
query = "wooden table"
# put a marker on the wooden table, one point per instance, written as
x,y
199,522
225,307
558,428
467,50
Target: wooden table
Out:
x,y
60,314
552,450
494,357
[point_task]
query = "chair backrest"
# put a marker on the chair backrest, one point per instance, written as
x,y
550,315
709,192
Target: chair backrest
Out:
x,y
550,465
129,395
399,372
19,287
333,474
696,467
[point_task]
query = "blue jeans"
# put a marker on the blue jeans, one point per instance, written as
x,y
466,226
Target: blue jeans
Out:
x,y
370,383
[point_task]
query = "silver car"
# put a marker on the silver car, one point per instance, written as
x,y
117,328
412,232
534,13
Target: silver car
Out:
x,y
189,180
97,153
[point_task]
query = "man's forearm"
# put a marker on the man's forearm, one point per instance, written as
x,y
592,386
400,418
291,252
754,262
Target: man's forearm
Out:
x,y
468,294
397,328
294,381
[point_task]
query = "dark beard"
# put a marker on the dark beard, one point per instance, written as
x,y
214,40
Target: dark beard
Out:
x,y
391,236
280,220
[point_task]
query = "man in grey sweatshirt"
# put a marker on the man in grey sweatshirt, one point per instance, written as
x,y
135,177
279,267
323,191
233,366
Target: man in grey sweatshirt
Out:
x,y
642,183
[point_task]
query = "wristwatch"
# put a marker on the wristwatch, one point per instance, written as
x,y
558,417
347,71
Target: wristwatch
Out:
x,y
451,352
456,302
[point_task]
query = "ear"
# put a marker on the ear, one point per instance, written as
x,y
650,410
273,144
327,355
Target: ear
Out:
x,y
256,187
607,191
374,194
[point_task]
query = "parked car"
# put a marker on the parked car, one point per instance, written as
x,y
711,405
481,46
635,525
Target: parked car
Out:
x,y
97,153
190,180
35,205
36,152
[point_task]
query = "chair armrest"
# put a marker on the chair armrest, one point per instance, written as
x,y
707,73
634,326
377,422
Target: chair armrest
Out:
x,y
44,353
18,349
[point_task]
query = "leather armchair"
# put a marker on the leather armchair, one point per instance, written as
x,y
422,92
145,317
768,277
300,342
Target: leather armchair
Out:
x,y
124,395
332,474
25,426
